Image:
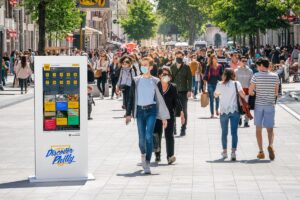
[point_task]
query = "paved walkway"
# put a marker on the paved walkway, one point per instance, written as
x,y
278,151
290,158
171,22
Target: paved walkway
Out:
x,y
114,161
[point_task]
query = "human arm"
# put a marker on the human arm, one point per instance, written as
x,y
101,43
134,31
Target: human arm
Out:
x,y
252,86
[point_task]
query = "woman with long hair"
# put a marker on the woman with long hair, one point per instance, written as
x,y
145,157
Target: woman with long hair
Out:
x,y
23,71
213,74
228,91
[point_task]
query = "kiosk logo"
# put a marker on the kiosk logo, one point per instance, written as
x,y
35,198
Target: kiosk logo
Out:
x,y
62,155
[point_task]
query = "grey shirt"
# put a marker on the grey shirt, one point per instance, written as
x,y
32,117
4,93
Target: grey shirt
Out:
x,y
244,76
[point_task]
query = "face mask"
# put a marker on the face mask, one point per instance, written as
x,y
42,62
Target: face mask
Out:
x,y
144,69
179,60
166,79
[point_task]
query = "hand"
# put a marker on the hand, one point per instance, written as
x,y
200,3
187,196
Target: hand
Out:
x,y
128,120
165,123
117,90
182,118
189,94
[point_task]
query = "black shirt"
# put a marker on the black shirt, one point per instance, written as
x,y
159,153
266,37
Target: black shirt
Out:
x,y
171,98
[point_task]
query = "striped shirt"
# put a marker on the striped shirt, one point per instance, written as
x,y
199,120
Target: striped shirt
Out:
x,y
265,85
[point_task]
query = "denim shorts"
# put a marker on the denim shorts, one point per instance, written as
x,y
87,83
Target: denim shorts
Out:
x,y
264,116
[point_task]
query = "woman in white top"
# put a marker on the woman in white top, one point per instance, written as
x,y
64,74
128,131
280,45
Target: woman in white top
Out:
x,y
102,64
23,71
227,91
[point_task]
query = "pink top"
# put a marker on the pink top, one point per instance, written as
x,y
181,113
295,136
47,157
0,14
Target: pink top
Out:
x,y
23,73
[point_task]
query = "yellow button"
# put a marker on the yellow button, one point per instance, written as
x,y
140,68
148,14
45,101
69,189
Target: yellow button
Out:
x,y
68,74
54,74
61,74
75,82
75,74
47,74
54,82
47,82
61,82
68,82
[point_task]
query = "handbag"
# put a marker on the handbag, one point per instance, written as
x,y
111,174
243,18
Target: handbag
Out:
x,y
243,106
204,100
98,73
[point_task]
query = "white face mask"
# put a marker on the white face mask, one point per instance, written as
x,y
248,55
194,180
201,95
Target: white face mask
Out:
x,y
166,79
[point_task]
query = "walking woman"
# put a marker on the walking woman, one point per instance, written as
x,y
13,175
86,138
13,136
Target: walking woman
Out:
x,y
228,90
169,93
102,65
114,71
23,71
213,74
146,104
125,79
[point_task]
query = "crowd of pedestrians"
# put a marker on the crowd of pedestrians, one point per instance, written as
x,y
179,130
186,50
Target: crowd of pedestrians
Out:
x,y
157,83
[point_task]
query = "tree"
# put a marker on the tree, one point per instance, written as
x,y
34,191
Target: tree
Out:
x,y
237,17
140,22
56,16
185,14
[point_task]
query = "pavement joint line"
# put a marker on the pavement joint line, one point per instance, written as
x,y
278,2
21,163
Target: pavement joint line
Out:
x,y
293,113
31,96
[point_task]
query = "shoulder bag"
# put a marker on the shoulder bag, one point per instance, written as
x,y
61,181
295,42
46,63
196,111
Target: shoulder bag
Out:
x,y
243,106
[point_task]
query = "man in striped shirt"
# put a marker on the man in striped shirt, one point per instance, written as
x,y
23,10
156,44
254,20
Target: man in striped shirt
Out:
x,y
265,84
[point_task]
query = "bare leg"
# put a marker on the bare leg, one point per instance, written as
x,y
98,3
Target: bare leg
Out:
x,y
270,136
259,138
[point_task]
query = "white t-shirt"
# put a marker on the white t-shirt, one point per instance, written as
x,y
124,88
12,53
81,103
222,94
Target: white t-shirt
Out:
x,y
228,101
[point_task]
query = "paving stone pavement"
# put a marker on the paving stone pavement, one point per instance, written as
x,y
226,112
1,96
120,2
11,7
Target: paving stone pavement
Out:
x,y
114,161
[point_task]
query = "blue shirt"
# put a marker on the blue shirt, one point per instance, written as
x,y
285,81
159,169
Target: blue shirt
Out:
x,y
146,92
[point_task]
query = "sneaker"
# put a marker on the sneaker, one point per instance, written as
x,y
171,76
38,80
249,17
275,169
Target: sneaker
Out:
x,y
271,153
182,133
224,155
246,125
90,118
261,155
233,156
147,168
240,122
143,160
171,160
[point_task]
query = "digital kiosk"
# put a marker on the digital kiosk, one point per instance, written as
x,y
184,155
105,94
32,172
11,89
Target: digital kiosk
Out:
x,y
61,143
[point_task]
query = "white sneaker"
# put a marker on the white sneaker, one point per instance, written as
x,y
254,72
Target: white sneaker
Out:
x,y
147,168
143,159
233,156
171,160
224,155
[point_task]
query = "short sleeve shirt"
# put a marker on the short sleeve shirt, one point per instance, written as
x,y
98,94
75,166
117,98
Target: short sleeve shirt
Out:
x,y
265,85
228,96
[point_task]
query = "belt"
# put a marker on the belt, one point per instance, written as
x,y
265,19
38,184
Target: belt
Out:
x,y
146,107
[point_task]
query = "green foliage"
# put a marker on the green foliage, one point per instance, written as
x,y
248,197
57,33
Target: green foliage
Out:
x,y
141,20
187,15
62,16
248,17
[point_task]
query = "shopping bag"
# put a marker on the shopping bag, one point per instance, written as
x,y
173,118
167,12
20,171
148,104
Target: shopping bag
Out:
x,y
204,99
106,94
95,91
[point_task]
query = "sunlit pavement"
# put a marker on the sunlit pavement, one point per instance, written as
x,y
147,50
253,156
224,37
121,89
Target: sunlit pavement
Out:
x,y
114,160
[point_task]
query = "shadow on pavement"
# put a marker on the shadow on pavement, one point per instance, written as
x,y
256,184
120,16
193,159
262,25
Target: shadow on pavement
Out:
x,y
135,174
27,184
254,161
208,118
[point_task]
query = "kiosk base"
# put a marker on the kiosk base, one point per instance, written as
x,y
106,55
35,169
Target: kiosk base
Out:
x,y
33,179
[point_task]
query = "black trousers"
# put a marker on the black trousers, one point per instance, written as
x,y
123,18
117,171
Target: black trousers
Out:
x,y
23,84
114,81
157,135
125,91
184,100
101,82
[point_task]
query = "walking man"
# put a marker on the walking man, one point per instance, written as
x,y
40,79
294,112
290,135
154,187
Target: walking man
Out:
x,y
265,84
182,77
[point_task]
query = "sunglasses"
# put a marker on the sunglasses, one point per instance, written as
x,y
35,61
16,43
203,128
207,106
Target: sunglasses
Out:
x,y
165,74
126,62
244,61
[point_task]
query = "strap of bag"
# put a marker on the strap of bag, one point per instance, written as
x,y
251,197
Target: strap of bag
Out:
x,y
237,97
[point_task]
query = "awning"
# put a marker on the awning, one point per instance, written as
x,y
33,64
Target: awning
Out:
x,y
89,30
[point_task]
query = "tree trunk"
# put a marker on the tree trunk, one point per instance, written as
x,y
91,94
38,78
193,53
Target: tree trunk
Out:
x,y
50,40
42,27
257,39
192,36
234,41
251,43
244,40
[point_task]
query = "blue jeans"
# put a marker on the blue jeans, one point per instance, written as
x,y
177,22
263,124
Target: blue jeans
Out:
x,y
146,119
195,85
234,123
211,92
